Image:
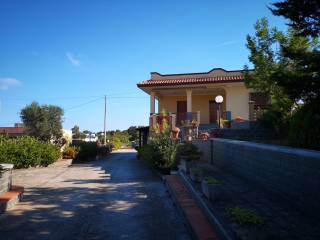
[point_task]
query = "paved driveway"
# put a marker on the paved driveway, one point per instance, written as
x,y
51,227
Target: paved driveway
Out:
x,y
114,198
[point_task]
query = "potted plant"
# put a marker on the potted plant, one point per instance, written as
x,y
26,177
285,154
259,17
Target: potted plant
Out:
x,y
196,174
247,224
212,188
188,154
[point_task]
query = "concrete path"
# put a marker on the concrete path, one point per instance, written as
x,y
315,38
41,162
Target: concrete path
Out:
x,y
114,198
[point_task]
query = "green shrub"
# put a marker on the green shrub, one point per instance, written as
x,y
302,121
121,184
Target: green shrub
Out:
x,y
166,146
104,150
27,152
87,151
117,144
190,151
150,154
211,181
244,216
160,153
304,128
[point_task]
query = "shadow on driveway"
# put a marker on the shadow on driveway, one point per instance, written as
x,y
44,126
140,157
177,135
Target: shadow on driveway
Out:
x,y
114,198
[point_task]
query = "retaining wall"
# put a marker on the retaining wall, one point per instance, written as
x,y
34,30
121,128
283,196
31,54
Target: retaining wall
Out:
x,y
292,173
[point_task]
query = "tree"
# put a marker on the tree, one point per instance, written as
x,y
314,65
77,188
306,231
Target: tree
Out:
x,y
76,134
302,55
87,132
304,82
43,122
304,15
133,133
267,61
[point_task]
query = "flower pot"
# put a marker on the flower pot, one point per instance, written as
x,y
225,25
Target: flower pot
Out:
x,y
212,191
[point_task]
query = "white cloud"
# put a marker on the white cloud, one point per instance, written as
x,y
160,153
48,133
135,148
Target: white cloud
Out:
x,y
6,83
74,60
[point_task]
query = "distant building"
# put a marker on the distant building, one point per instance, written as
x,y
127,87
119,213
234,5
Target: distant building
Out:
x,y
91,137
13,131
67,134
19,125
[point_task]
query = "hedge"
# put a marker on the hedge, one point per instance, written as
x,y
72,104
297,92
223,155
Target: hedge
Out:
x,y
87,151
27,151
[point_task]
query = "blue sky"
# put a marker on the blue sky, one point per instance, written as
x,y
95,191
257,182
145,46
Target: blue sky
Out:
x,y
69,53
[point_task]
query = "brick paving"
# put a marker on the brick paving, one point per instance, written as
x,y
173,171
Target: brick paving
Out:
x,y
196,219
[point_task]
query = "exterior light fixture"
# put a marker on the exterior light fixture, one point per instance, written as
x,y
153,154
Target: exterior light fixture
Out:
x,y
219,100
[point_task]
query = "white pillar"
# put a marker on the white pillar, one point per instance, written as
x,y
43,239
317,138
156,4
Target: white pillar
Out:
x,y
189,101
152,103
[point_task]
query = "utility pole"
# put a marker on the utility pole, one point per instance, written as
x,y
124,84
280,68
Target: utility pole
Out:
x,y
105,118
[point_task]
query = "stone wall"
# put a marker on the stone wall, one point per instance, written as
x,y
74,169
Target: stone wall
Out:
x,y
5,181
292,173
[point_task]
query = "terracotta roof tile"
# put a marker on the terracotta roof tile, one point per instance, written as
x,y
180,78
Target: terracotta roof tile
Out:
x,y
172,82
12,130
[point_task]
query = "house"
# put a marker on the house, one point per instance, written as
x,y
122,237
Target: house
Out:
x,y
191,97
12,131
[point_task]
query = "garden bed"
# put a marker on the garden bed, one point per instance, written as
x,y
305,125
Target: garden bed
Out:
x,y
249,212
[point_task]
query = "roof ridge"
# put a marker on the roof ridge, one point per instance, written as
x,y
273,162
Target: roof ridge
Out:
x,y
197,73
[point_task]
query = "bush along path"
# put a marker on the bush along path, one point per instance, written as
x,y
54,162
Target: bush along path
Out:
x,y
26,152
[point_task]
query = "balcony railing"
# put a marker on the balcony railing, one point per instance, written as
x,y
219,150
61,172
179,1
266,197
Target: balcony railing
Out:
x,y
175,119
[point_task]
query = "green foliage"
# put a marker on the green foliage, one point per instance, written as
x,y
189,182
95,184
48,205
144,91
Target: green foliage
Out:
x,y
266,54
133,133
167,146
104,151
286,66
303,15
244,216
116,143
116,138
160,153
211,181
43,122
87,151
305,128
150,154
70,152
188,150
27,151
76,134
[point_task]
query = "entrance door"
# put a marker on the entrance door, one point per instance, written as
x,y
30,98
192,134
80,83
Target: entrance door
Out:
x,y
181,111
213,108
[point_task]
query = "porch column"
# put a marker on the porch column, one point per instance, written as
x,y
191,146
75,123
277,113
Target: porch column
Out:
x,y
189,104
152,103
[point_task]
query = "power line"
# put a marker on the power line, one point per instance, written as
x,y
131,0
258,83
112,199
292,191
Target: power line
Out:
x,y
83,104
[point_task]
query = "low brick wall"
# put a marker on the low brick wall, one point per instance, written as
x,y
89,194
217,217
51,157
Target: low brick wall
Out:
x,y
292,173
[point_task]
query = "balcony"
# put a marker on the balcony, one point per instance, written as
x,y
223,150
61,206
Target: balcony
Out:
x,y
175,119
